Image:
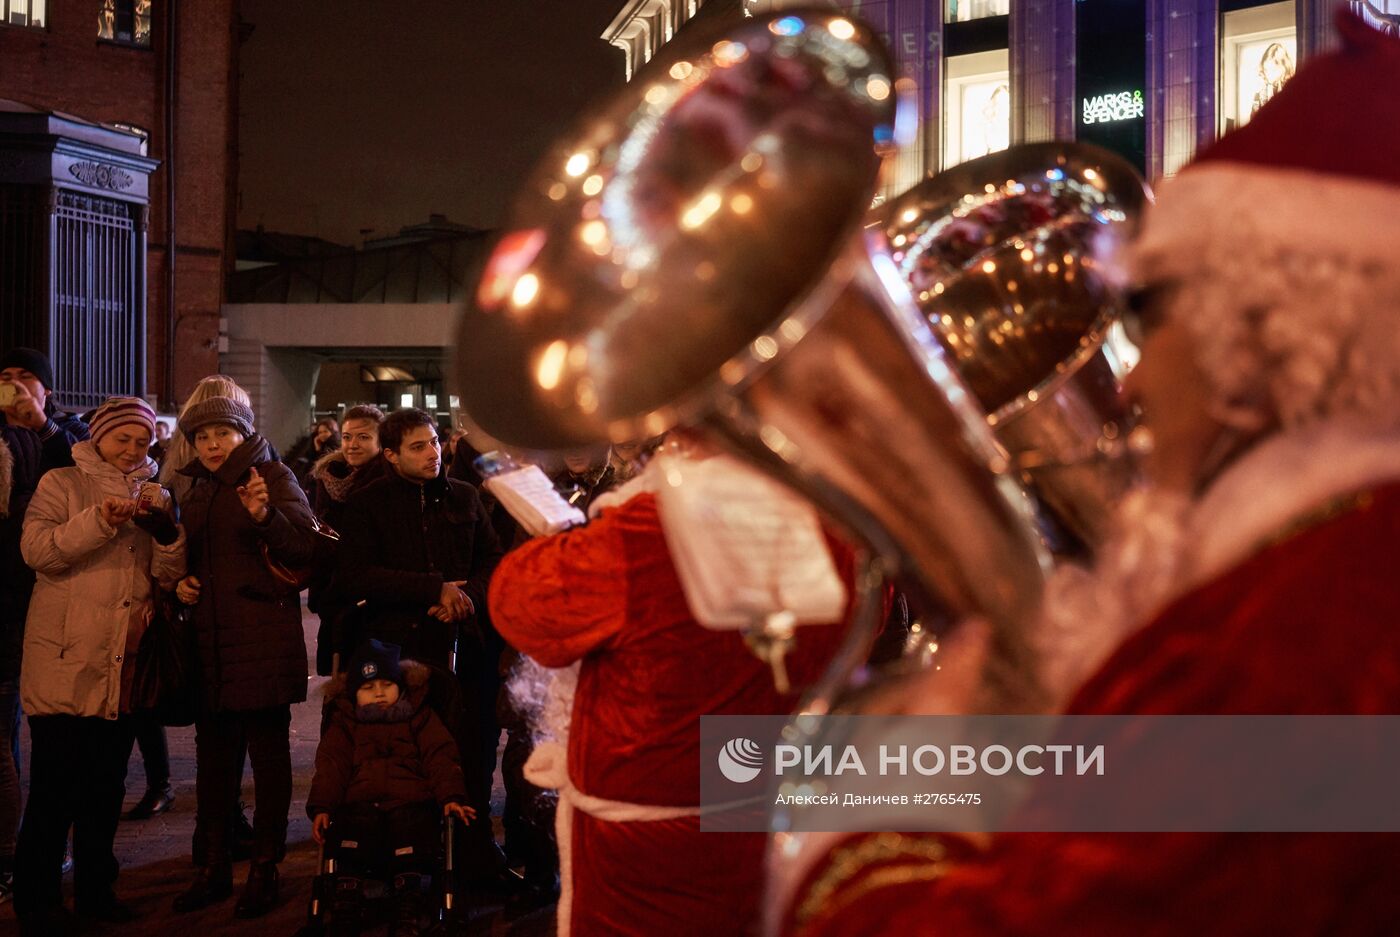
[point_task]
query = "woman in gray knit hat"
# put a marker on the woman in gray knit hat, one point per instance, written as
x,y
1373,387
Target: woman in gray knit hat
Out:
x,y
242,510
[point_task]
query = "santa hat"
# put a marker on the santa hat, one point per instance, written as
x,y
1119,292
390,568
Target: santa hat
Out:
x,y
1282,240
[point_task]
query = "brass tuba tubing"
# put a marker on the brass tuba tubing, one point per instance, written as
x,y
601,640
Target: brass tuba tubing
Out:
x,y
864,417
1013,259
694,254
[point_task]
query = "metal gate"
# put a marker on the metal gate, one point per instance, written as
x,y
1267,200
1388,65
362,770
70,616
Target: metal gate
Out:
x,y
96,327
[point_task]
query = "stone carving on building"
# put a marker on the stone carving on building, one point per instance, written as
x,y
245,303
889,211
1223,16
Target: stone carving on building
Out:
x,y
102,176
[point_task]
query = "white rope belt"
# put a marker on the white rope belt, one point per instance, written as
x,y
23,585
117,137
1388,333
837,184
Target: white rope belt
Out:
x,y
548,767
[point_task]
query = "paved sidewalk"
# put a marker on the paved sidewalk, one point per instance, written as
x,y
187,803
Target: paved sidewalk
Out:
x,y
155,854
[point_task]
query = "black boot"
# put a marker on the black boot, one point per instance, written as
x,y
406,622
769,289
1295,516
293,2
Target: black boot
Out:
x,y
408,905
210,886
156,801
346,907
260,894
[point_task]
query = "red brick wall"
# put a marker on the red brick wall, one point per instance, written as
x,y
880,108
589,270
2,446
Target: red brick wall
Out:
x,y
64,67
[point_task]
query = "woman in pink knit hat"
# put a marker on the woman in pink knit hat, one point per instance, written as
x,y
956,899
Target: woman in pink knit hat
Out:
x,y
98,558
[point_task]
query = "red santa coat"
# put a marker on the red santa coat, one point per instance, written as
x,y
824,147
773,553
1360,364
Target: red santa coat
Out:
x,y
608,595
1309,625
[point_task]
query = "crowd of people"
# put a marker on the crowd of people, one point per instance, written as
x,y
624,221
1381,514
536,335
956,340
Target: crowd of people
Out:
x,y
1252,575
396,554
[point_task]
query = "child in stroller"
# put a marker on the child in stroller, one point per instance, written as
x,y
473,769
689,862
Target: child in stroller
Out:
x,y
387,771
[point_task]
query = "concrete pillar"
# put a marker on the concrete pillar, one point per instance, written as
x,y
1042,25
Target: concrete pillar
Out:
x,y
289,382
1042,71
1182,46
1316,30
279,382
245,362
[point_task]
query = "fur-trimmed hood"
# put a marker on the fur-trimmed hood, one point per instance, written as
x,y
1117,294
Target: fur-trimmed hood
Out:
x,y
415,679
340,480
7,477
402,754
323,466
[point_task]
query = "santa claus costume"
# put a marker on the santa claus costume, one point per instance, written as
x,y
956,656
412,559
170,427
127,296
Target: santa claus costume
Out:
x,y
1270,586
607,598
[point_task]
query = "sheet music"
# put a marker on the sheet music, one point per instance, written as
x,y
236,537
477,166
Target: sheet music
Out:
x,y
529,496
745,547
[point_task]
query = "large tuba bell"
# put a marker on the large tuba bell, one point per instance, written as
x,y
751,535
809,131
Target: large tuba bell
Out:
x,y
695,254
1012,258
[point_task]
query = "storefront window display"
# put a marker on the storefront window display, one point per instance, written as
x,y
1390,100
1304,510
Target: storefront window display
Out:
x,y
127,21
978,106
960,11
1258,54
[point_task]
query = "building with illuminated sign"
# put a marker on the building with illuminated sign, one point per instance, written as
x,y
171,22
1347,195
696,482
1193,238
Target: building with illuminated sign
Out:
x,y
1152,79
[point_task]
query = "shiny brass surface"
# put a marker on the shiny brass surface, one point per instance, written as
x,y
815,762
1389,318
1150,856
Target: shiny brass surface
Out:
x,y
1013,258
694,254
653,256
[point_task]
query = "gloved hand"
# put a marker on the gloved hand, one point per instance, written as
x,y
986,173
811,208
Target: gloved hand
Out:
x,y
159,524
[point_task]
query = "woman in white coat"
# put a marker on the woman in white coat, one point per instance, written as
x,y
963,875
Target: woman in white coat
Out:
x,y
98,561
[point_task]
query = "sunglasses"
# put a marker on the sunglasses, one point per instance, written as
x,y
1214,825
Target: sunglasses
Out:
x,y
1146,310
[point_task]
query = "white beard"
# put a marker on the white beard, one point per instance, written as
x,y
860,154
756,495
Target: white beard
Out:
x,y
1166,545
1089,613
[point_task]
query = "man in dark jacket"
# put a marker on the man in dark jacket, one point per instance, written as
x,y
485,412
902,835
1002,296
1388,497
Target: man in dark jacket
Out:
x,y
34,437
585,475
420,549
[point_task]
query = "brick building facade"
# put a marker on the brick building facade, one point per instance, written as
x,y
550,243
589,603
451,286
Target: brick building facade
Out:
x,y
176,84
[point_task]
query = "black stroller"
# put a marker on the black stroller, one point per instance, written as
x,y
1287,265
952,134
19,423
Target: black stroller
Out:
x,y
347,897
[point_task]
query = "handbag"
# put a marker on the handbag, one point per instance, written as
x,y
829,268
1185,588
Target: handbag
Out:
x,y
165,679
298,577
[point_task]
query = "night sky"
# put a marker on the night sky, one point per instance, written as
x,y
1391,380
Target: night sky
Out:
x,y
377,119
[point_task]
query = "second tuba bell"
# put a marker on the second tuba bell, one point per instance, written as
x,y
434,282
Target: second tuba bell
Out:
x,y
1013,259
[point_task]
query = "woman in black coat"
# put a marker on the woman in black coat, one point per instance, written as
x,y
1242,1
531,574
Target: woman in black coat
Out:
x,y
243,508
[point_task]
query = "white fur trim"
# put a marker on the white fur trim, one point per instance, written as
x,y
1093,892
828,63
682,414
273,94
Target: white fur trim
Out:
x,y
1213,204
1277,483
1166,546
548,768
1289,282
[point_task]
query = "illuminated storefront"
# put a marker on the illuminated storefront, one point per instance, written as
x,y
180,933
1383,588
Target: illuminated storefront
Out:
x,y
976,118
1155,80
1258,54
977,109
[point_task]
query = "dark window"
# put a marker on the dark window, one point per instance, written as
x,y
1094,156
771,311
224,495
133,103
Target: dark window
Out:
x,y
22,12
23,279
980,35
96,324
127,21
